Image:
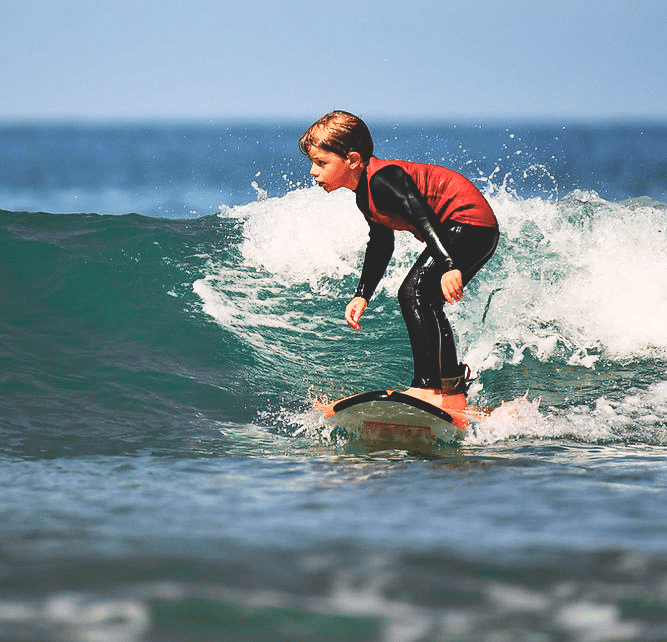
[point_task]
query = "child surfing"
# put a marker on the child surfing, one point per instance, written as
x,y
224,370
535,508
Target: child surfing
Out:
x,y
442,209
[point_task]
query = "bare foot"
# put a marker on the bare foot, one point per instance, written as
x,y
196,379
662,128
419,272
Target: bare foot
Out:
x,y
436,398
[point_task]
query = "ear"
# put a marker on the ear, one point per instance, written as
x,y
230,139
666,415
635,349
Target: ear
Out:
x,y
354,159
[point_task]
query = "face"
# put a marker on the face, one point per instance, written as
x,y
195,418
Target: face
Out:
x,y
332,171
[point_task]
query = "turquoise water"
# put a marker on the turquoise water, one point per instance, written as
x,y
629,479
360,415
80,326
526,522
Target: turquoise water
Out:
x,y
164,474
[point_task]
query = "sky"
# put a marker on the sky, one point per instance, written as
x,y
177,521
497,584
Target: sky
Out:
x,y
294,59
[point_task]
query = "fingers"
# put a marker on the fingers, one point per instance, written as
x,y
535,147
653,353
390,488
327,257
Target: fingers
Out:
x,y
352,316
354,310
452,286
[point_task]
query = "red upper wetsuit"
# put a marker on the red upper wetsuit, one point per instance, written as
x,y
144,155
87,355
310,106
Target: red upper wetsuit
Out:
x,y
419,198
449,194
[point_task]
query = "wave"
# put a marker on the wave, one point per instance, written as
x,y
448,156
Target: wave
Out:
x,y
570,310
236,318
574,280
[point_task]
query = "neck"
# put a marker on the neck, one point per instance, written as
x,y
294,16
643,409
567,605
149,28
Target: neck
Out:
x,y
356,178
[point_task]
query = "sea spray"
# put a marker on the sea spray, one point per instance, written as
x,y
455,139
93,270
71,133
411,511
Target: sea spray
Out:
x,y
572,286
568,281
566,287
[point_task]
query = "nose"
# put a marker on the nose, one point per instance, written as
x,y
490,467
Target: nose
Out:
x,y
314,170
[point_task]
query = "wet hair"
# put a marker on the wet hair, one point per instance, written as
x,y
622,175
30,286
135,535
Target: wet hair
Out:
x,y
341,133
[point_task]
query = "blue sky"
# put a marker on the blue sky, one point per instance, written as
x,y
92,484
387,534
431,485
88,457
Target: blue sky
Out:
x,y
485,60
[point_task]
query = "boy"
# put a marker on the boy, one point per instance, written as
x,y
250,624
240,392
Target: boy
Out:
x,y
442,209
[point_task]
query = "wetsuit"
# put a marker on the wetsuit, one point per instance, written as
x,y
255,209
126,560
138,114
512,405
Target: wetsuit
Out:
x,y
446,211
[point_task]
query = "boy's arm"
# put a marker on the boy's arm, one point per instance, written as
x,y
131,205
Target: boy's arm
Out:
x,y
394,190
378,254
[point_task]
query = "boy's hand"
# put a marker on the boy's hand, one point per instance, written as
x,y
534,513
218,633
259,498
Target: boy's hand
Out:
x,y
354,310
452,286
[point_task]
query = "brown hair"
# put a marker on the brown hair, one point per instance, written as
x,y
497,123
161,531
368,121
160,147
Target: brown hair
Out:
x,y
341,133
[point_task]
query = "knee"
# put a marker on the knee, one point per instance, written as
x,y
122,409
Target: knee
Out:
x,y
420,290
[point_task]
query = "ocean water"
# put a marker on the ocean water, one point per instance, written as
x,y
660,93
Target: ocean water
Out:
x,y
172,299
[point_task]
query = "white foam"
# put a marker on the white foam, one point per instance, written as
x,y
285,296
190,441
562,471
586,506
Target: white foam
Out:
x,y
637,416
308,236
511,419
573,280
308,239
77,617
303,237
576,279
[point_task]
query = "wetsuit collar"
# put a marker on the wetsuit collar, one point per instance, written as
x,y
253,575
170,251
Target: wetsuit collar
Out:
x,y
363,182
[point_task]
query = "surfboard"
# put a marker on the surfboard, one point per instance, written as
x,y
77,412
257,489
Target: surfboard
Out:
x,y
385,419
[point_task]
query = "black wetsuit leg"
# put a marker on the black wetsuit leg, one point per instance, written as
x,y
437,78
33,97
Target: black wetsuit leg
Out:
x,y
423,304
